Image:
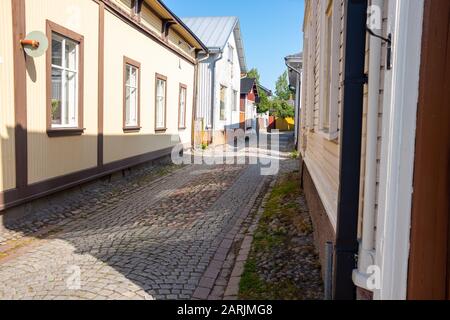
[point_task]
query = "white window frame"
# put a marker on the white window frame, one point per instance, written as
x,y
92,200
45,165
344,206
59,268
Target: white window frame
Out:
x,y
129,68
73,123
225,88
164,105
329,71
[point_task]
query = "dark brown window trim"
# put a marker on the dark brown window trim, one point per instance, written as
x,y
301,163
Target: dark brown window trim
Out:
x,y
137,65
62,31
182,86
163,78
131,129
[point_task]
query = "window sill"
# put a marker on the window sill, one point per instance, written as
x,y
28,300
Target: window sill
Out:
x,y
131,129
69,132
161,130
182,128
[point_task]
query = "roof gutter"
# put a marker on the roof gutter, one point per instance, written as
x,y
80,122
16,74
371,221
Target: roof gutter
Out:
x,y
350,152
291,68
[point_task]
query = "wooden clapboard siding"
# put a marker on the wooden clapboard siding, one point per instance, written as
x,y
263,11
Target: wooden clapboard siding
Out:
x,y
150,20
177,40
321,154
52,157
125,5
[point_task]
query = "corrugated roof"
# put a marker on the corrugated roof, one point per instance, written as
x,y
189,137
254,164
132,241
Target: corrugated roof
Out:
x,y
214,32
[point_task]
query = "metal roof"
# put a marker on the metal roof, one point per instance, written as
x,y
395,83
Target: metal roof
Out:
x,y
214,32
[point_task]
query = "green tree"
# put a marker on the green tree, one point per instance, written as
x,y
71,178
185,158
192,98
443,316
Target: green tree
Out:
x,y
254,73
282,109
282,90
264,103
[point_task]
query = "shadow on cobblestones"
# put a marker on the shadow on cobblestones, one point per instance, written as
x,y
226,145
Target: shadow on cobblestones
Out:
x,y
151,235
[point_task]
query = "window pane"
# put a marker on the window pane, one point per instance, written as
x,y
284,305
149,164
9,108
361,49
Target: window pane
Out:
x,y
133,77
70,107
56,50
56,96
128,73
131,107
127,107
71,55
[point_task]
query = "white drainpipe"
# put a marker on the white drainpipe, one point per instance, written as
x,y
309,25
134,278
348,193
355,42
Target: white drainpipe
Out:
x,y
366,256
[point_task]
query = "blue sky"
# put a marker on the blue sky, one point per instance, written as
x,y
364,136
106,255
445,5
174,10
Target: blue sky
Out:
x,y
271,29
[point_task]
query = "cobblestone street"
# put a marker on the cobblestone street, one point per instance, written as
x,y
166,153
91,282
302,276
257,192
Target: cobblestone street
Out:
x,y
160,238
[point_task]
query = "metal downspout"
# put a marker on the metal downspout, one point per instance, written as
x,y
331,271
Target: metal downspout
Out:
x,y
350,151
366,256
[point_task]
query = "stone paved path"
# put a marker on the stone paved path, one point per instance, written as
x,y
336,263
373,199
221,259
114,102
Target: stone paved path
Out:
x,y
159,242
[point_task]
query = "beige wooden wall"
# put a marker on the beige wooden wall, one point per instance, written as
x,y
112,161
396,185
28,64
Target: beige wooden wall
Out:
x,y
123,40
321,154
7,121
52,157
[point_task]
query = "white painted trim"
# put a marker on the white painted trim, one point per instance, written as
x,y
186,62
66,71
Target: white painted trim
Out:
x,y
397,159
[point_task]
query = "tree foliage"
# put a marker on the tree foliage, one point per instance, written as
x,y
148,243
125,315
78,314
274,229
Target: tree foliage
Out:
x,y
282,89
277,106
282,109
264,104
254,73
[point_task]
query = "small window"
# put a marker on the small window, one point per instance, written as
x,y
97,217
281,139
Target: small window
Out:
x,y
131,94
223,108
182,111
65,81
235,100
161,97
231,54
328,112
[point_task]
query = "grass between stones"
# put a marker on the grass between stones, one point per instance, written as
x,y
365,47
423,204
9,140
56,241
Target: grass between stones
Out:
x,y
283,264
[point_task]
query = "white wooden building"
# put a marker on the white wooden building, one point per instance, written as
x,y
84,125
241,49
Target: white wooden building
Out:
x,y
219,73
